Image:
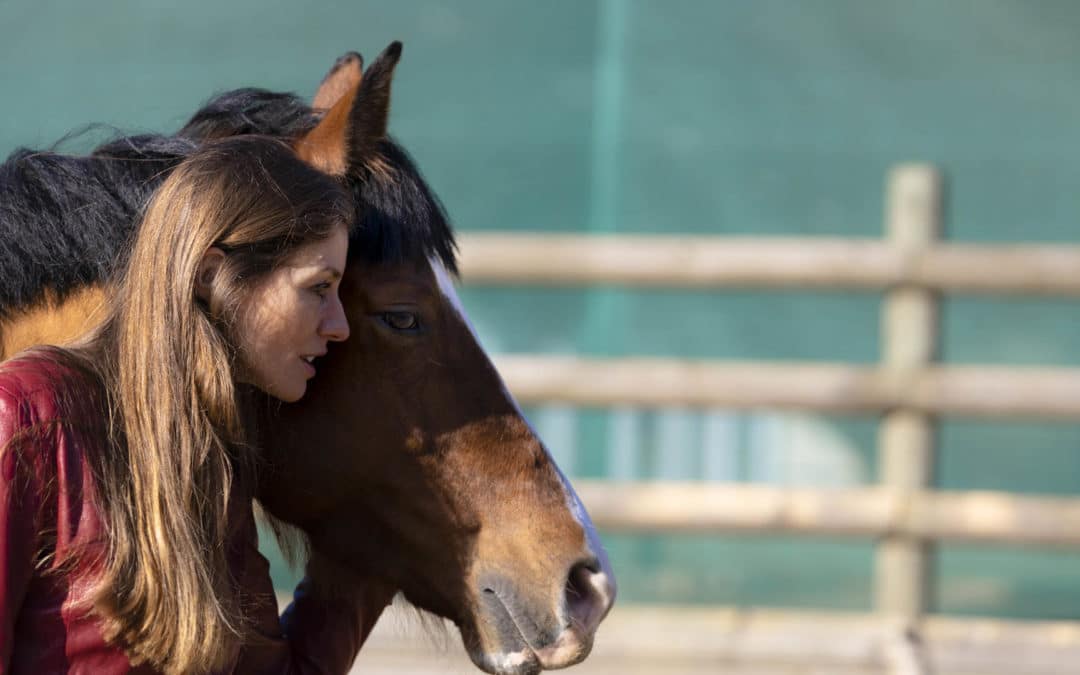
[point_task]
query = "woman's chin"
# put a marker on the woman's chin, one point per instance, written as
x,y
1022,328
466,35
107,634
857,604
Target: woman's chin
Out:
x,y
285,394
291,395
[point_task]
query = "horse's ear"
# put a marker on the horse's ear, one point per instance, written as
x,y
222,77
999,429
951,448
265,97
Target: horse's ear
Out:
x,y
343,77
325,147
371,109
348,134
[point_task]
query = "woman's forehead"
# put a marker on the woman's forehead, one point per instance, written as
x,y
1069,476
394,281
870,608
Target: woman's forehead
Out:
x,y
330,252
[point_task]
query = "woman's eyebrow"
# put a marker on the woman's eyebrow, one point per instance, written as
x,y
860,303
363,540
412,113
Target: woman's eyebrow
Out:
x,y
316,269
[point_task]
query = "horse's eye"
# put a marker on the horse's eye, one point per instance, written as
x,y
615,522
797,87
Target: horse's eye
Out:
x,y
403,321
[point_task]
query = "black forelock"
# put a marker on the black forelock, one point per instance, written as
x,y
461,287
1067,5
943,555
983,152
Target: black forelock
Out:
x,y
399,217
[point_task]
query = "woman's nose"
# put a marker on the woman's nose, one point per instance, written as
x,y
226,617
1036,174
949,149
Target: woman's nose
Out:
x,y
334,325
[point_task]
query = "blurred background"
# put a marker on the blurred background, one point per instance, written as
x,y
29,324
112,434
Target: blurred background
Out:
x,y
762,118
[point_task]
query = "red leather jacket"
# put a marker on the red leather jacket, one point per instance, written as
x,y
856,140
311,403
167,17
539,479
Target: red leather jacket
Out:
x,y
47,510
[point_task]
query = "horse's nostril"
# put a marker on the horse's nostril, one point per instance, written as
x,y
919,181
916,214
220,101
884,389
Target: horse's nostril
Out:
x,y
588,596
577,582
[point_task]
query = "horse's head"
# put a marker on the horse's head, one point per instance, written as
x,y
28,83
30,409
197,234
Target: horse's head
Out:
x,y
408,460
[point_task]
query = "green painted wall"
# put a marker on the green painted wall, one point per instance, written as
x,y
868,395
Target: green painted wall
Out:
x,y
764,117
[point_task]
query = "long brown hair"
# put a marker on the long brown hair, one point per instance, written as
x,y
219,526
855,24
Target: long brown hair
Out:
x,y
167,361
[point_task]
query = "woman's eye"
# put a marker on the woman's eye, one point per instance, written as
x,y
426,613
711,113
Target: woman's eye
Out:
x,y
403,321
321,289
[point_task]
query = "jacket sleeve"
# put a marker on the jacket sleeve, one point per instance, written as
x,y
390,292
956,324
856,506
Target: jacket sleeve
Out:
x,y
20,496
315,634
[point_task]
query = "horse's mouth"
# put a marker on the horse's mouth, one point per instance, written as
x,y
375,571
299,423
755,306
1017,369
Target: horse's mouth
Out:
x,y
526,643
516,655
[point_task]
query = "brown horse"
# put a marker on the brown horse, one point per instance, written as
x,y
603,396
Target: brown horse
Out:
x,y
408,462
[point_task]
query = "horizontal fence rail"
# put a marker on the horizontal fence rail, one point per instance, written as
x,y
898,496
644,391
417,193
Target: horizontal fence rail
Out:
x,y
684,640
981,391
970,517
709,262
912,268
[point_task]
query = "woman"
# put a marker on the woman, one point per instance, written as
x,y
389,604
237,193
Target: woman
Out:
x,y
125,478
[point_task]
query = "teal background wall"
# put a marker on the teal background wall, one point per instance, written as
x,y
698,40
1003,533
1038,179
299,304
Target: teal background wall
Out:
x,y
754,117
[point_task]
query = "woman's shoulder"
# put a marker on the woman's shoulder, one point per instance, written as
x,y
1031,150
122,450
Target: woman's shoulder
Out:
x,y
36,384
47,414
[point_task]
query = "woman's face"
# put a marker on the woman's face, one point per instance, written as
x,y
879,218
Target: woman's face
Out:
x,y
286,321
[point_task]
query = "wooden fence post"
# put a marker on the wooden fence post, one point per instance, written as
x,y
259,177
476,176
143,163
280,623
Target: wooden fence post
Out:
x,y
903,579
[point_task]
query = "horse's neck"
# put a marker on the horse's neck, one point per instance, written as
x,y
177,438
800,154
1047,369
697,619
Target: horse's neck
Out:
x,y
52,322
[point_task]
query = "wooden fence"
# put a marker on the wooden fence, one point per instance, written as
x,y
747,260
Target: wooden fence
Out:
x,y
907,389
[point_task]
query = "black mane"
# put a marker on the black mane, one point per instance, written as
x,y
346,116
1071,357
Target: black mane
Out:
x,y
400,218
66,221
250,111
